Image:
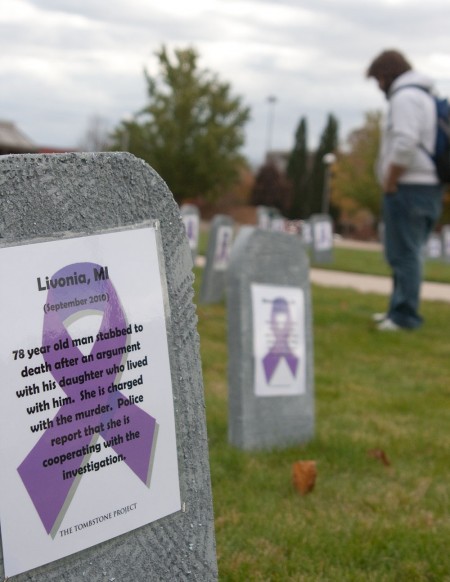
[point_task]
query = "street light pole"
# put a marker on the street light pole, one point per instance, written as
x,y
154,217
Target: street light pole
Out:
x,y
328,160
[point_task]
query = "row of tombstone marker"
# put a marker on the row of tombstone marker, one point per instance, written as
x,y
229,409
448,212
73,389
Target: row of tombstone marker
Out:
x,y
437,247
264,276
104,240
315,233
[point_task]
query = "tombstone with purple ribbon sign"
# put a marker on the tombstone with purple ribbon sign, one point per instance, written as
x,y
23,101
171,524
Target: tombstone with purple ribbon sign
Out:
x,y
212,289
445,236
322,238
103,441
191,220
433,248
270,371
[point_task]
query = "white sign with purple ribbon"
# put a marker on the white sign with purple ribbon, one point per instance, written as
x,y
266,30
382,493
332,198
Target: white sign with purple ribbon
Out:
x,y
224,242
87,430
192,225
278,340
323,235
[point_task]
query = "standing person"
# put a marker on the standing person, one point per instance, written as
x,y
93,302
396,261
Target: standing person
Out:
x,y
412,200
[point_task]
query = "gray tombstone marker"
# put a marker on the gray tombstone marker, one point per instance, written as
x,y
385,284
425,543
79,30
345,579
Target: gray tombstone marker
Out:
x,y
445,235
263,217
306,233
270,343
278,224
269,218
322,238
191,219
212,289
54,198
433,247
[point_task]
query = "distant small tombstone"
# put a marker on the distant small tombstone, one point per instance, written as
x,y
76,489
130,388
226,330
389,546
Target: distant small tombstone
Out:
x,y
278,224
270,343
212,289
322,238
293,227
263,217
306,232
191,220
270,218
445,237
433,247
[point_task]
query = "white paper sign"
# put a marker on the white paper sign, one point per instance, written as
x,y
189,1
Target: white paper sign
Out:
x,y
87,432
323,236
278,224
222,253
306,232
278,340
191,223
434,246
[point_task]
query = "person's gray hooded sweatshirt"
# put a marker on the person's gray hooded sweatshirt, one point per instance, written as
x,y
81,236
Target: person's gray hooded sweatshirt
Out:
x,y
410,127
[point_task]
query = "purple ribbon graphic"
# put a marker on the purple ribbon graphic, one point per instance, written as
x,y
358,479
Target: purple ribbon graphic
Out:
x,y
46,485
281,348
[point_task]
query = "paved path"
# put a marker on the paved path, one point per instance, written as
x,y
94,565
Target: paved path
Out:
x,y
366,283
374,284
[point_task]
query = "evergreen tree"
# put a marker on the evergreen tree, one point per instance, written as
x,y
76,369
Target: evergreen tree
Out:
x,y
192,129
297,171
271,188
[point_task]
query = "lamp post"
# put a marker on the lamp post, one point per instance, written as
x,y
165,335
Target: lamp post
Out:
x,y
328,160
271,100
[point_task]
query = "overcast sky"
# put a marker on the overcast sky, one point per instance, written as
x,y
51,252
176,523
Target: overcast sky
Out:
x,y
64,61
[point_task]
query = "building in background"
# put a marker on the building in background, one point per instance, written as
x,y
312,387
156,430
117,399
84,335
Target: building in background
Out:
x,y
14,141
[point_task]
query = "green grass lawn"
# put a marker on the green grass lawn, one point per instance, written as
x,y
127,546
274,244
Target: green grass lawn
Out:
x,y
364,520
368,262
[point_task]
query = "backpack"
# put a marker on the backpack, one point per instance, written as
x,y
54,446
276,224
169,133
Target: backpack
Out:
x,y
441,154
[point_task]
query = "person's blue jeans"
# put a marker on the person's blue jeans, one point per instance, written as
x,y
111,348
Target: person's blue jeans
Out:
x,y
410,214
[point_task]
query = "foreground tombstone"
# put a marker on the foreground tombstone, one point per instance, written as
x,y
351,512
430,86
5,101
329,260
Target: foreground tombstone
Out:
x,y
220,241
105,472
322,238
191,219
270,343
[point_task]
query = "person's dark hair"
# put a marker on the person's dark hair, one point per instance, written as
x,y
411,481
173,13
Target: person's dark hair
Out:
x,y
388,65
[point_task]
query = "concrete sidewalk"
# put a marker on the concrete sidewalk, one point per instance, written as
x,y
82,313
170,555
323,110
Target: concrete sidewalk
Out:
x,y
365,283
374,284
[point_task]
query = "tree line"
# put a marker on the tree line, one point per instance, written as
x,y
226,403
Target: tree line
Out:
x,y
191,132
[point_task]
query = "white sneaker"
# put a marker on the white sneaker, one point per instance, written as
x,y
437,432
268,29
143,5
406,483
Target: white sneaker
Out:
x,y
388,325
379,317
